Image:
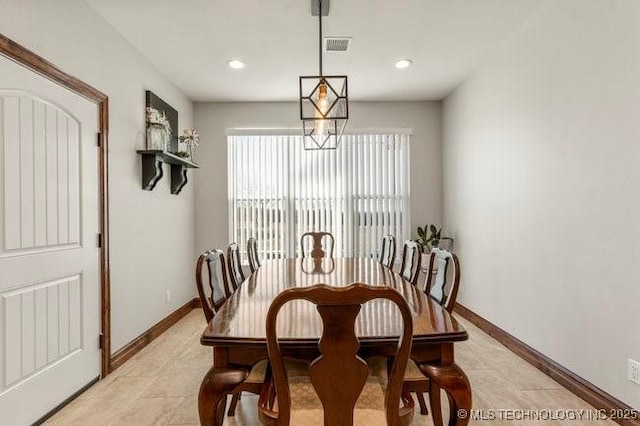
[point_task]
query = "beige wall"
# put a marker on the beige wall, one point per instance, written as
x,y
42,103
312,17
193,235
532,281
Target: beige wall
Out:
x,y
212,119
151,232
542,188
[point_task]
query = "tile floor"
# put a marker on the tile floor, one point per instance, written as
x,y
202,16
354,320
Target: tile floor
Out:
x,y
159,385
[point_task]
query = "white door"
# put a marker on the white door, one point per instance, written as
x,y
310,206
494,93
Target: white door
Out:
x,y
49,259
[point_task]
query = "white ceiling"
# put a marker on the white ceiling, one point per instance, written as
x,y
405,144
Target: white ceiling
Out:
x,y
190,41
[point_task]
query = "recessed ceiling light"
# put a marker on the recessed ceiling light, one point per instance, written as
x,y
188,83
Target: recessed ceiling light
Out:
x,y
236,64
403,63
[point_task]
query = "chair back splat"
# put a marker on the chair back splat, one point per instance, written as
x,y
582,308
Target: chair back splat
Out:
x,y
411,259
318,250
235,267
388,252
252,253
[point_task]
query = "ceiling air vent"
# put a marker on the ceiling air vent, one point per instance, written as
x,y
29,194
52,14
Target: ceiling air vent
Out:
x,y
336,44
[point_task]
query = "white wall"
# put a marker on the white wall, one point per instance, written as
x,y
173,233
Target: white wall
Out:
x,y
212,119
151,232
542,188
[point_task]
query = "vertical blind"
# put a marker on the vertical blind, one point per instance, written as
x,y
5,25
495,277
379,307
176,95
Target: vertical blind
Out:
x,y
278,191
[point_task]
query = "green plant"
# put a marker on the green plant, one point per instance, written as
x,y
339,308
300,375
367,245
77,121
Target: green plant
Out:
x,y
432,239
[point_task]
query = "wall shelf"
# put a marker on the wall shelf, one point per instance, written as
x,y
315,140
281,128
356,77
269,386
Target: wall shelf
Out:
x,y
152,161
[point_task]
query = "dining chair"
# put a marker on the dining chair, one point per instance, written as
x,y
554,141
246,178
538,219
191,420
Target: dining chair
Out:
x,y
441,284
317,249
443,278
411,258
252,254
235,268
338,386
213,289
388,252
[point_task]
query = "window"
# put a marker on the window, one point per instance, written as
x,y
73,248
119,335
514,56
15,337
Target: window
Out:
x,y
278,191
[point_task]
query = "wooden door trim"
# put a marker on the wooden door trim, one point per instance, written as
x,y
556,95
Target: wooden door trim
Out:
x,y
38,64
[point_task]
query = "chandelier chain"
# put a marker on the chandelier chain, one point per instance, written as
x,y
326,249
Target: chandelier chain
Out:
x,y
320,34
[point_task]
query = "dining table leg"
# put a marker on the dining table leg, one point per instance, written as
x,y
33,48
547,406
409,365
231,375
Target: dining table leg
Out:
x,y
216,385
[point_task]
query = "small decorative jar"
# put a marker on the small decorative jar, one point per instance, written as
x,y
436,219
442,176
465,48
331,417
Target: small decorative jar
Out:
x,y
156,137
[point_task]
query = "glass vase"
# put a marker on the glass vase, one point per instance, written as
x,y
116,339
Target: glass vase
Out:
x,y
156,138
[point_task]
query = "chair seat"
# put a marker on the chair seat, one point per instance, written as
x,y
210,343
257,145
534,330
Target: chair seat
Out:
x,y
413,373
258,372
379,368
306,408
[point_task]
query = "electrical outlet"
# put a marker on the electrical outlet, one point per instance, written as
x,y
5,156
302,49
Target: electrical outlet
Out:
x,y
167,296
634,371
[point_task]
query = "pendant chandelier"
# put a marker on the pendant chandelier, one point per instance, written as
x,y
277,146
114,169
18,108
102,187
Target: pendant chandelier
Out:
x,y
324,106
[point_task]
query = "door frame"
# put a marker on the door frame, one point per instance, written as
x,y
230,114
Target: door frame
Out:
x,y
36,63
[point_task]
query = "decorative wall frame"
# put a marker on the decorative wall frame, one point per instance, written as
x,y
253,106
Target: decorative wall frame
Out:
x,y
171,115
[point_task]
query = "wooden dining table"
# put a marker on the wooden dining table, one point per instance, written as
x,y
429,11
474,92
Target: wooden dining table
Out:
x,y
238,336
